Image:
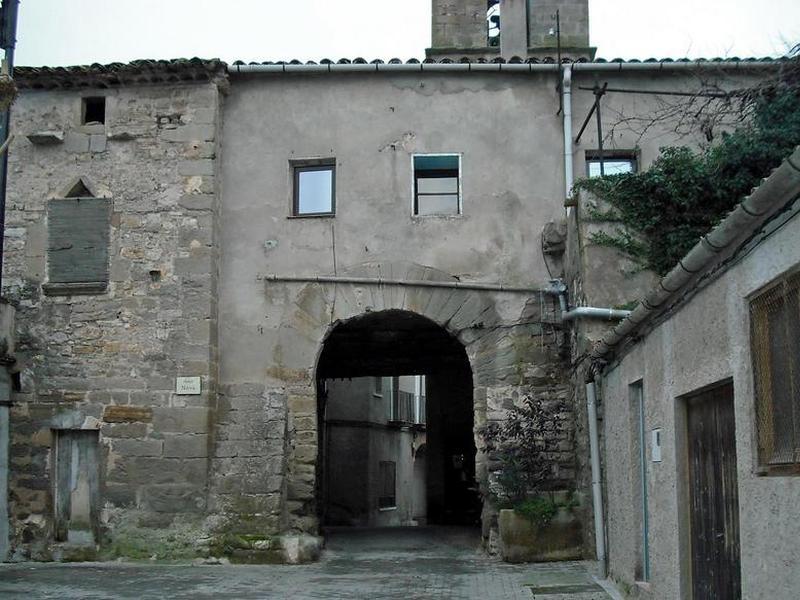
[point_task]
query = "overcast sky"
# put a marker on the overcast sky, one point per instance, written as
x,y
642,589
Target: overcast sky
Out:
x,y
69,32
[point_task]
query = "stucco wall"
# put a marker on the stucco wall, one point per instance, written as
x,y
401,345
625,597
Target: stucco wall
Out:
x,y
704,342
272,332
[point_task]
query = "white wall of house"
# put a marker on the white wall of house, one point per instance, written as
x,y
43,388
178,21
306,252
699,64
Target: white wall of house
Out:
x,y
705,342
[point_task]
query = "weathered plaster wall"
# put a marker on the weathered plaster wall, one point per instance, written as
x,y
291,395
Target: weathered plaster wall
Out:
x,y
358,439
636,123
601,276
271,332
108,361
704,342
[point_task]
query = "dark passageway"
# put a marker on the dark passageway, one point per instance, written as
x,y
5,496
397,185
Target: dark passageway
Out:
x,y
396,425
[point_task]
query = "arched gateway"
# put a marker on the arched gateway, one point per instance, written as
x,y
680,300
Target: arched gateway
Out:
x,y
480,350
389,383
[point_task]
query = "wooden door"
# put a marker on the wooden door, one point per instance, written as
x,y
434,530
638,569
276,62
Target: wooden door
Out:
x,y
714,497
76,489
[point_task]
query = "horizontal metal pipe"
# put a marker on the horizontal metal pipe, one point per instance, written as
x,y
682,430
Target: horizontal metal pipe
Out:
x,y
676,66
486,287
594,312
663,92
394,67
497,67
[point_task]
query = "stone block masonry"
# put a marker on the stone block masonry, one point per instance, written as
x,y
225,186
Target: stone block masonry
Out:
x,y
235,469
108,361
459,24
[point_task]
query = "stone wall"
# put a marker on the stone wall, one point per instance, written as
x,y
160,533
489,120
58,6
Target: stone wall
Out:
x,y
574,19
460,28
108,361
459,24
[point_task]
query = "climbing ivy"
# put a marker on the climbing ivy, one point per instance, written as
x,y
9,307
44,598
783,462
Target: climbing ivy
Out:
x,y
664,210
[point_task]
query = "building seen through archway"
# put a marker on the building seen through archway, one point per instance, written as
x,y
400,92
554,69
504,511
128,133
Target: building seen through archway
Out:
x,y
396,445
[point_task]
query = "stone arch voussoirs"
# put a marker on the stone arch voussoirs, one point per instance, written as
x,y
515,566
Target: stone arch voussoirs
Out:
x,y
468,315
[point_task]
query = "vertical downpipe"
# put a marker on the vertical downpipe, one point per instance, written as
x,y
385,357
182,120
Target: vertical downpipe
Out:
x,y
597,492
8,39
568,168
4,529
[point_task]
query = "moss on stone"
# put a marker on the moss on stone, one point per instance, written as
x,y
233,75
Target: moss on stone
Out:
x,y
177,542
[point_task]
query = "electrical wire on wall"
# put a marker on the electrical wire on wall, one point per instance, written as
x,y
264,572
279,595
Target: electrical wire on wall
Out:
x,y
335,272
544,255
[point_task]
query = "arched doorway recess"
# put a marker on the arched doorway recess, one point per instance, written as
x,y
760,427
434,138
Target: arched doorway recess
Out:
x,y
395,398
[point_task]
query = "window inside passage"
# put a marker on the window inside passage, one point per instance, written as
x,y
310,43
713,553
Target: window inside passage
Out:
x,y
314,190
437,186
387,480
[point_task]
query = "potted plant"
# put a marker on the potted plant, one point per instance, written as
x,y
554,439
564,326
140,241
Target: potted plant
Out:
x,y
536,520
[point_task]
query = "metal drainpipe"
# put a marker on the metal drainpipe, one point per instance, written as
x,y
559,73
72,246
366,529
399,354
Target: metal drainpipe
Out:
x,y
567,97
8,25
595,312
597,491
556,287
9,38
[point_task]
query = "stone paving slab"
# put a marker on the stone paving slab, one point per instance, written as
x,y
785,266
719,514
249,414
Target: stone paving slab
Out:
x,y
421,564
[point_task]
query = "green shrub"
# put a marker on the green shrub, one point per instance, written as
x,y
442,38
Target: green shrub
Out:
x,y
665,210
539,510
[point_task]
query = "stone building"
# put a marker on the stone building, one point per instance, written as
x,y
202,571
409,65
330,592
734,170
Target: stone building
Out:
x,y
374,455
193,248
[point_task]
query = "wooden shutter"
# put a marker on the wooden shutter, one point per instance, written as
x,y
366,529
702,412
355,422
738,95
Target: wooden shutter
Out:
x,y
78,236
775,331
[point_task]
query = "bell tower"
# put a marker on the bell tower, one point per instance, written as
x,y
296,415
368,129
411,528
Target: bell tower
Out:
x,y
508,28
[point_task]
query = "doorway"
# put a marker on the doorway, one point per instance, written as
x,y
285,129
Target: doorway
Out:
x,y
395,417
713,494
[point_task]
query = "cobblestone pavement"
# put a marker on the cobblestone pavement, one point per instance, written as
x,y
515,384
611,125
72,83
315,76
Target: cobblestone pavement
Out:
x,y
407,564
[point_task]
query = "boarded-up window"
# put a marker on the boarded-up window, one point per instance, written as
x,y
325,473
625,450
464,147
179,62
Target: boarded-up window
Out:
x,y
775,342
75,485
386,480
78,237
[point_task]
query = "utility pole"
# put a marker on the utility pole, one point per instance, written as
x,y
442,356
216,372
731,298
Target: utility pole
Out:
x,y
560,86
8,41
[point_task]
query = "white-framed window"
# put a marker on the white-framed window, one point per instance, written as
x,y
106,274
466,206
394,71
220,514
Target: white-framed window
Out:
x,y
436,184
